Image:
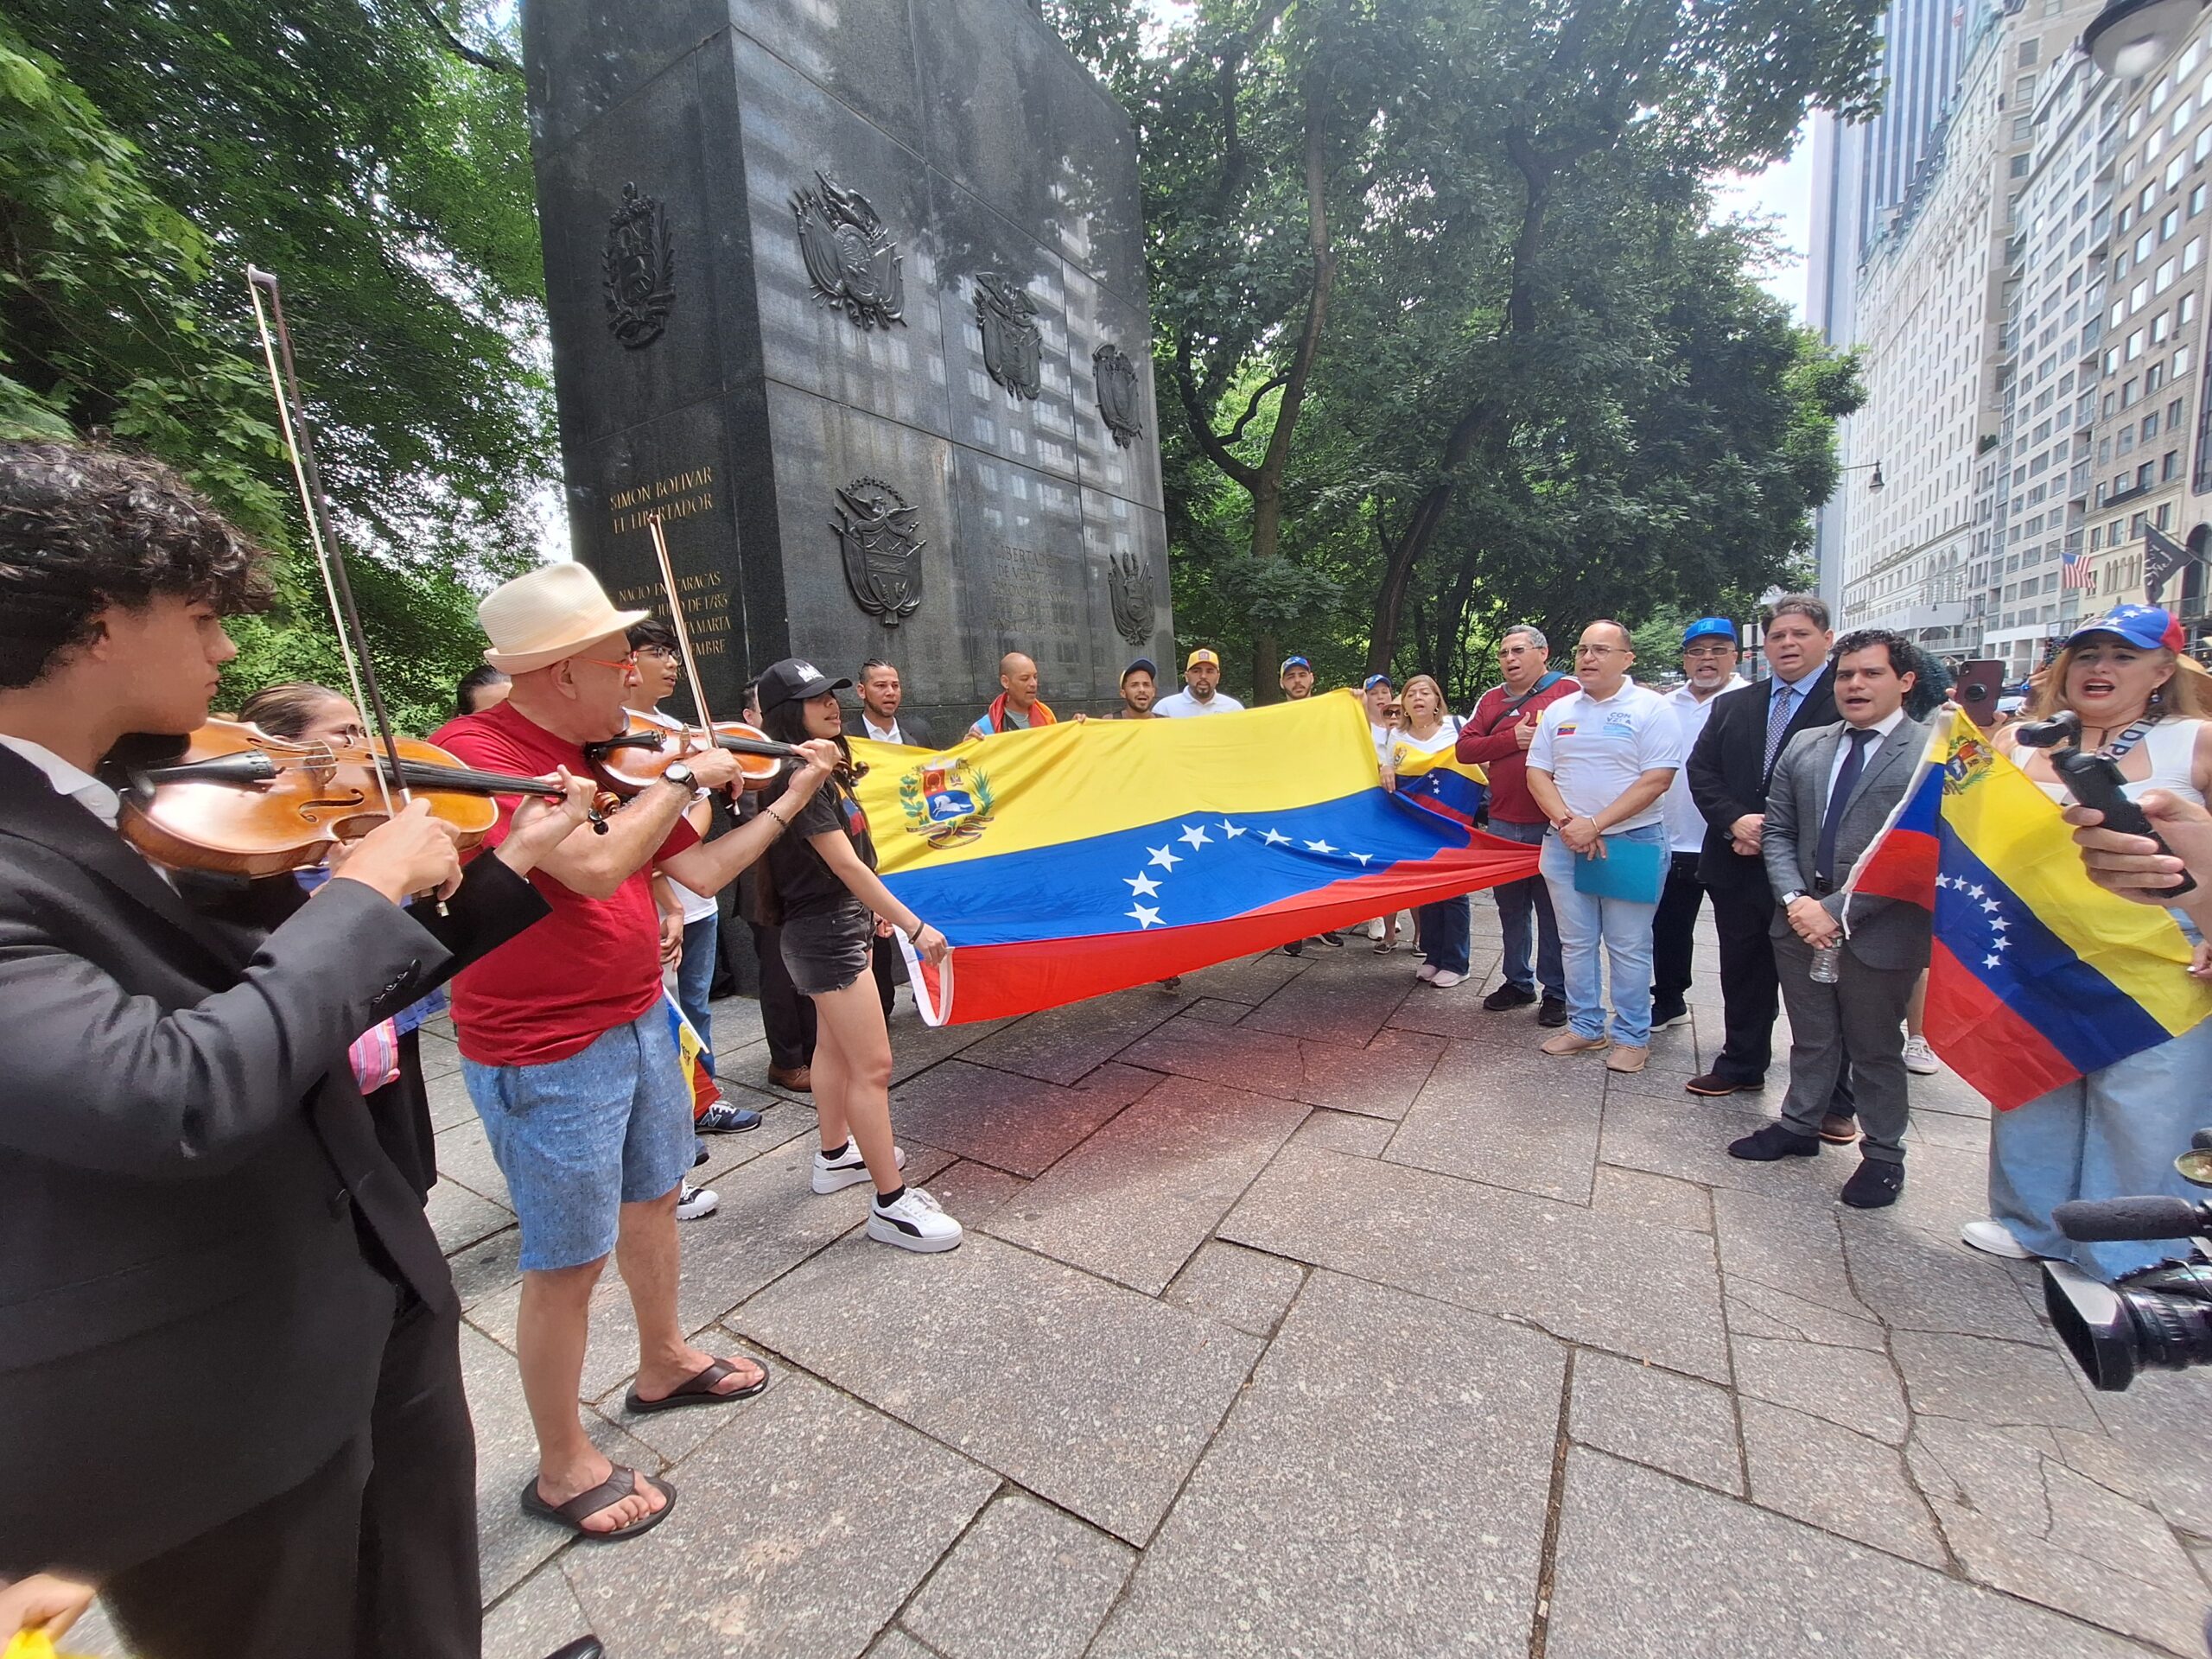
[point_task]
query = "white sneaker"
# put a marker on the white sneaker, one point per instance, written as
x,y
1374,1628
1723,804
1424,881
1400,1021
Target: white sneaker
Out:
x,y
1446,979
694,1202
1994,1238
1919,1058
1425,973
1375,930
850,1169
914,1222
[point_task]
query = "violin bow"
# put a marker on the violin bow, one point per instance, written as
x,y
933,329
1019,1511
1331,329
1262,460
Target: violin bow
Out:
x,y
676,621
299,446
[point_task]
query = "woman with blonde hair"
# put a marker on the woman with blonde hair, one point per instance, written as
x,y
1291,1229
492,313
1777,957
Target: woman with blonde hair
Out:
x,y
1427,728
2145,705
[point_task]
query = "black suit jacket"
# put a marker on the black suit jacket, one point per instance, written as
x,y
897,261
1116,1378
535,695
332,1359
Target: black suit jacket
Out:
x,y
910,728
202,1243
1729,775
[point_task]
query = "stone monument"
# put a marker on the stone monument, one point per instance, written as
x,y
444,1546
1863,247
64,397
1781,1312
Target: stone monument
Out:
x,y
853,295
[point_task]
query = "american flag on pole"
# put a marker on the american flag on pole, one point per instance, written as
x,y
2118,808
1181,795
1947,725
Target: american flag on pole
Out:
x,y
2076,572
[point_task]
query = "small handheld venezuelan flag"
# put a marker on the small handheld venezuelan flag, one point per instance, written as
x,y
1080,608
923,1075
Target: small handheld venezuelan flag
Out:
x,y
692,1052
2038,975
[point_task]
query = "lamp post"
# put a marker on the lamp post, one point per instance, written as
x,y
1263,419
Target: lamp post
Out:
x,y
1874,485
2130,38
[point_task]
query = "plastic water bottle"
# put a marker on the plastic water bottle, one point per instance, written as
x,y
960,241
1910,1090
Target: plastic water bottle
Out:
x,y
1827,965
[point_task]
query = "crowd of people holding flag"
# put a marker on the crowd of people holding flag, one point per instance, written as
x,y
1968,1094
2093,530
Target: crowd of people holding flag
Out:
x,y
214,1131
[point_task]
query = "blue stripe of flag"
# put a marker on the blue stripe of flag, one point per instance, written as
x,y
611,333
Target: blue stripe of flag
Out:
x,y
1096,885
2037,974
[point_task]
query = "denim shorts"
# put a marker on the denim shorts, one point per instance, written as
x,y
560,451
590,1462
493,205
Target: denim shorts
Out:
x,y
579,1137
830,950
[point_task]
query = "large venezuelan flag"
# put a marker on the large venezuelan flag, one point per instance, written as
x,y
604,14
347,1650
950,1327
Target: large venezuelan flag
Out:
x,y
1073,860
2038,975
1443,783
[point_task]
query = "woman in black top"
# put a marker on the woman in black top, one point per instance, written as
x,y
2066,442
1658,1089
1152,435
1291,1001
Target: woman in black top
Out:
x,y
820,880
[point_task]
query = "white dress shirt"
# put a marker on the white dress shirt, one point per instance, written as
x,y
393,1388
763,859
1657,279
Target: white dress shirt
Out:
x,y
881,733
68,778
1684,824
1883,728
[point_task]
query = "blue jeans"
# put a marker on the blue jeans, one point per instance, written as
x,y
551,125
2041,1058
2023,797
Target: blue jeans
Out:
x,y
2111,1134
579,1137
1444,934
695,980
1519,903
1625,930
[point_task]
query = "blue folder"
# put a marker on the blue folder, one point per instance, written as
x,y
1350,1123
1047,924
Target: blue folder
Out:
x,y
1633,870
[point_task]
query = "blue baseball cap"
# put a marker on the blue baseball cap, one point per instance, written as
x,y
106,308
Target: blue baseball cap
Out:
x,y
1709,627
1289,663
1374,680
2152,627
1144,663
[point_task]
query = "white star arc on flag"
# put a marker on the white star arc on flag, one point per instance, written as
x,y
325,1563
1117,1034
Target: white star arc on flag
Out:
x,y
1166,857
1195,834
1142,886
1144,915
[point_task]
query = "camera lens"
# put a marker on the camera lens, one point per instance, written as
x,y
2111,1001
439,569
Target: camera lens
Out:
x,y
2157,1319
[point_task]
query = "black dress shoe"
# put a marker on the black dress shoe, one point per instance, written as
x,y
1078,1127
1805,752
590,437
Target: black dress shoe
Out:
x,y
1508,996
1874,1184
1772,1141
1714,1085
1553,1012
584,1647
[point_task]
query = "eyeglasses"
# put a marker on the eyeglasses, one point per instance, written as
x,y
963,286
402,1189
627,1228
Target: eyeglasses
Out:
x,y
666,654
626,662
1596,651
1702,651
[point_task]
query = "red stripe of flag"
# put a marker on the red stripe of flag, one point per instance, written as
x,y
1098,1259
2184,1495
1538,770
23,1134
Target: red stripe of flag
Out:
x,y
2006,1060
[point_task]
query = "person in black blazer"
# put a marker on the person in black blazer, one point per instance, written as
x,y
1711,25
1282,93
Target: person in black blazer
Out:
x,y
229,1364
1729,770
881,695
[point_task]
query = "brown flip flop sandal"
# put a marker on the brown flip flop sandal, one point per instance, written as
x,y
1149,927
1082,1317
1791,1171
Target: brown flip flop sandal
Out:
x,y
698,1389
618,1485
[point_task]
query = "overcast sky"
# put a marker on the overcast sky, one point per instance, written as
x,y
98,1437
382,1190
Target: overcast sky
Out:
x,y
1784,192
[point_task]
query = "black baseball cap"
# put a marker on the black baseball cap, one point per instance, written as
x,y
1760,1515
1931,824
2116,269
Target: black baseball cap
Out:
x,y
1144,663
795,680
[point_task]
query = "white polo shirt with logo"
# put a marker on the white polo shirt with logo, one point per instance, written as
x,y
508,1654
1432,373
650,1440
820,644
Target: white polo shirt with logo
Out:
x,y
1595,750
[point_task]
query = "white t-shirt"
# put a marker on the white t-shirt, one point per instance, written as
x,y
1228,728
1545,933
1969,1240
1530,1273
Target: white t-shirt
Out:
x,y
1684,824
1595,750
1403,743
696,905
1182,706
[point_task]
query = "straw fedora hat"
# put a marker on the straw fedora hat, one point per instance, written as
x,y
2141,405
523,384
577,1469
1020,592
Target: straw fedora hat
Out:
x,y
545,615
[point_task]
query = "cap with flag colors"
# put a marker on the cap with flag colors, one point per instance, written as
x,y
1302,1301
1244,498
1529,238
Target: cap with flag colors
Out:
x,y
1088,859
2149,627
2038,975
1201,655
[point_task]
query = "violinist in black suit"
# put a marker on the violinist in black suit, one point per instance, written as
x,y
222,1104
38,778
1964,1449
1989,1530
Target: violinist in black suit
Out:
x,y
229,1368
1729,770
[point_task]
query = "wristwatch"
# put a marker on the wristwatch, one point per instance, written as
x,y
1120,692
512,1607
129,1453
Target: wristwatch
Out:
x,y
682,775
1793,896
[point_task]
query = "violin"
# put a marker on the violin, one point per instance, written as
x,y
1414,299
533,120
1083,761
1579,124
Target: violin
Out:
x,y
635,760
238,802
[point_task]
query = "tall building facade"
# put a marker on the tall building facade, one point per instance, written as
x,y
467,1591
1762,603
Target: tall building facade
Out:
x,y
2031,315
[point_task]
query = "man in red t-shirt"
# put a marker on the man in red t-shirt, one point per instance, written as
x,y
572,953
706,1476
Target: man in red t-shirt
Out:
x,y
566,1050
1496,737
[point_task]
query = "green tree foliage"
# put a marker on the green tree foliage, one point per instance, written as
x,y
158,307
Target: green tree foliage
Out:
x,y
374,153
1443,334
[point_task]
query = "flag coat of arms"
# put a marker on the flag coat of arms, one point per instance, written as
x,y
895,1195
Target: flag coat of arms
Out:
x,y
2037,976
1067,861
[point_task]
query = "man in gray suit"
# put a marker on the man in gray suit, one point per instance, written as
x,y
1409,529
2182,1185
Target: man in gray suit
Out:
x,y
1832,790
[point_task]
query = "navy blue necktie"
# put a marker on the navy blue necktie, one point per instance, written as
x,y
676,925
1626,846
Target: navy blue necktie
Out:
x,y
1839,798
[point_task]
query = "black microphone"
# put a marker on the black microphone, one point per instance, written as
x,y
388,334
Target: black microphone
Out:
x,y
2104,1220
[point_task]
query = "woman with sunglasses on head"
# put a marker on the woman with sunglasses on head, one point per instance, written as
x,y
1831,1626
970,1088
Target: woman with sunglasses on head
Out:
x,y
822,885
2115,1132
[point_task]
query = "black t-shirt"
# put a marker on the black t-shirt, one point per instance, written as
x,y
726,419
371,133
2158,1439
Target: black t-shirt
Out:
x,y
806,886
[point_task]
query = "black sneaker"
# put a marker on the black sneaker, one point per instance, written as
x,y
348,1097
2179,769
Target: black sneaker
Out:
x,y
1553,1012
1510,996
1331,938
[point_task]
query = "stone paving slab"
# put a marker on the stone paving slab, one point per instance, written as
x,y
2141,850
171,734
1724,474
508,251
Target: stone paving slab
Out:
x,y
1238,1287
1027,1581
1638,1576
1062,1044
1583,1276
461,1219
1843,1483
464,1156
1431,1434
1088,1393
1346,1132
1676,1423
1009,1120
1346,1000
782,1543
1632,1195
448,1096
1488,1124
1136,1199
541,1615
1250,980
1380,1080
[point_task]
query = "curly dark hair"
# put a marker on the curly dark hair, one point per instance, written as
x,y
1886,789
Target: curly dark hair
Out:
x,y
1905,657
83,527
